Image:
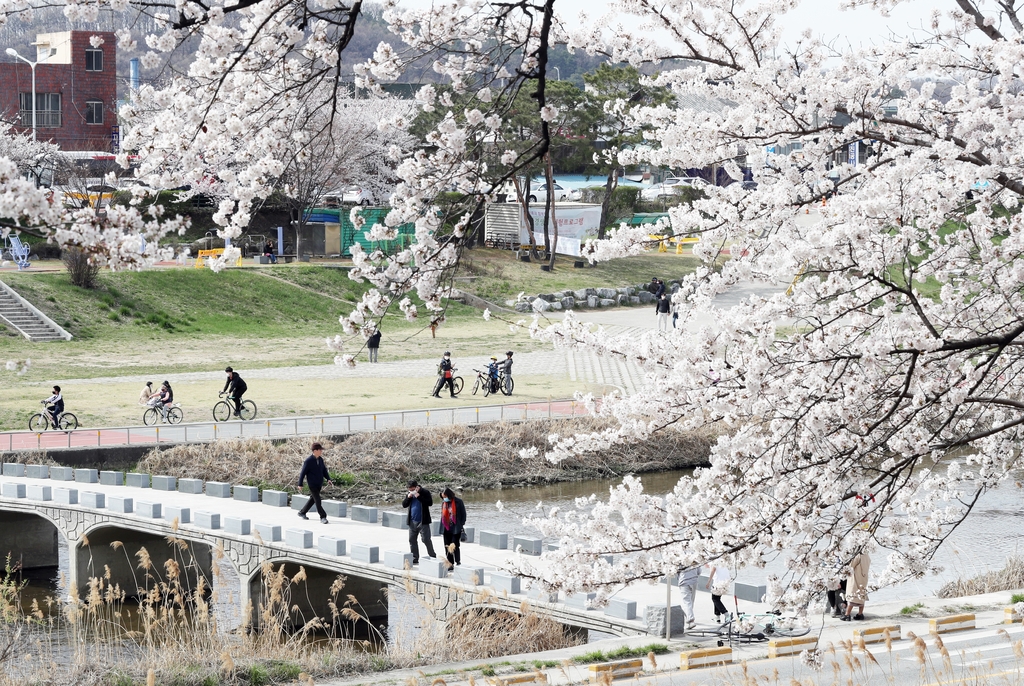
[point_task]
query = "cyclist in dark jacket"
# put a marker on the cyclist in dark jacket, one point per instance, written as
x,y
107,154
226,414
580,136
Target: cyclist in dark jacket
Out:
x,y
237,387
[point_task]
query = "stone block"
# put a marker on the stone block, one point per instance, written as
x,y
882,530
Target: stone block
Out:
x,y
37,471
550,297
654,619
190,486
329,545
393,520
591,291
218,489
13,490
781,647
164,483
97,501
537,592
581,294
556,306
136,480
62,474
539,305
749,592
120,504
580,600
621,609
335,508
506,583
705,657
568,302
237,525
494,539
433,567
396,559
65,496
634,300
435,528
247,494
470,534
552,546
14,469
606,302
622,300
298,538
592,301
606,672
37,492
87,476
606,293
473,576
108,478
364,553
207,520
182,514
527,546
275,498
361,513
523,307
149,510
270,533
645,297
942,625
299,501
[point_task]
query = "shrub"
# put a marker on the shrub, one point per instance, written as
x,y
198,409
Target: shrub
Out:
x,y
81,269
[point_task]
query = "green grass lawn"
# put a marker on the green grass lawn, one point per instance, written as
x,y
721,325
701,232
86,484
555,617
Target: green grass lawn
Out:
x,y
497,276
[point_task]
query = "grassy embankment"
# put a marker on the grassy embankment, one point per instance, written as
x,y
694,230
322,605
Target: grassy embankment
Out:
x,y
169,321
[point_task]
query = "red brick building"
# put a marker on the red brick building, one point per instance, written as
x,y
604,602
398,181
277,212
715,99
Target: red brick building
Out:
x,y
76,90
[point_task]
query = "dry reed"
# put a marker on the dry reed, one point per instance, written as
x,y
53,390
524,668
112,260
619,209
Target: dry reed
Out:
x,y
481,456
1009,578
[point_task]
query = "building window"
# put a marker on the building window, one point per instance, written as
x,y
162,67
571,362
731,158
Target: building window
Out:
x,y
47,110
93,112
93,59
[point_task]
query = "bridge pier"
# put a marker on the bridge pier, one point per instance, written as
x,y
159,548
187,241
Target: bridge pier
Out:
x,y
29,539
124,560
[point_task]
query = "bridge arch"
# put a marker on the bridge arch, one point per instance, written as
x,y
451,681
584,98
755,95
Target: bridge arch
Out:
x,y
277,587
32,539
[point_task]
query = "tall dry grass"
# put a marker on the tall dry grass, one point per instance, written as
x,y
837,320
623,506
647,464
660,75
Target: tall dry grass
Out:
x,y
1009,578
373,465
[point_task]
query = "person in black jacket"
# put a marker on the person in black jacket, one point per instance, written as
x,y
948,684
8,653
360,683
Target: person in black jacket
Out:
x,y
314,471
237,386
446,375
417,502
663,306
453,521
657,287
372,344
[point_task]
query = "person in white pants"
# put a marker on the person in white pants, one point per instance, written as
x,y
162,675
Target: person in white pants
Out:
x,y
688,579
663,307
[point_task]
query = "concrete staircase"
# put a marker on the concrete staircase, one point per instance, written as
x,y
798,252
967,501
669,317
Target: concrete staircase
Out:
x,y
20,315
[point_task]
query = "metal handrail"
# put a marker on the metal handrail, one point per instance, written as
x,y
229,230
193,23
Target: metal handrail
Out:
x,y
365,421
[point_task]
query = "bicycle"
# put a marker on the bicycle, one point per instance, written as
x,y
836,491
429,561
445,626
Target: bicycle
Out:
x,y
456,382
224,409
505,383
761,627
41,421
482,381
153,415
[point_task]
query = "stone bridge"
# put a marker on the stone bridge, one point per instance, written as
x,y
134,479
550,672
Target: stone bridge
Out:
x,y
89,510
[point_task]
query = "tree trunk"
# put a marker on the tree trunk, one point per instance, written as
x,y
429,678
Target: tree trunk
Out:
x,y
609,187
554,219
525,202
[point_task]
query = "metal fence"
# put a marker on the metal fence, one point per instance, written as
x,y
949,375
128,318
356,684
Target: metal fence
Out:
x,y
284,427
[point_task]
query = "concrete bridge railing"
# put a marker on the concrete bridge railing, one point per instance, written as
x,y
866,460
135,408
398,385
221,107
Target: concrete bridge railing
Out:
x,y
92,509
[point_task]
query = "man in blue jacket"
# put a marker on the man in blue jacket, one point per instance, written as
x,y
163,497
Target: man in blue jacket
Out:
x,y
418,501
314,471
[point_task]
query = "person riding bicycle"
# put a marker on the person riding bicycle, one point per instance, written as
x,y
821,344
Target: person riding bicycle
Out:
x,y
492,374
162,399
237,387
447,373
55,405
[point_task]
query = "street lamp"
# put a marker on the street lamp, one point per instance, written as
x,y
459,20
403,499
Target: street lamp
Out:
x,y
14,53
558,72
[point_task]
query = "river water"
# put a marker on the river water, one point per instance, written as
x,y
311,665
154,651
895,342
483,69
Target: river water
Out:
x,y
994,530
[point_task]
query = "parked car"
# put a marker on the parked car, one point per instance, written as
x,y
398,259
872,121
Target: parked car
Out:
x,y
539,193
670,187
350,195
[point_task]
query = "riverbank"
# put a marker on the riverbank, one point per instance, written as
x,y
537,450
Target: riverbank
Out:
x,y
371,466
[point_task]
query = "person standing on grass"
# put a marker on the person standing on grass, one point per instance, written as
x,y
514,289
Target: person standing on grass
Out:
x,y
453,522
662,307
314,471
372,344
688,579
418,501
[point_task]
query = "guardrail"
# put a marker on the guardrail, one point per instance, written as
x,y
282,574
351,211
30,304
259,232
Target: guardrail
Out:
x,y
284,427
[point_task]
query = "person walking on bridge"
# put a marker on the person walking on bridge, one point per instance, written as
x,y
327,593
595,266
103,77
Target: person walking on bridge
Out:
x,y
314,471
418,501
453,522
